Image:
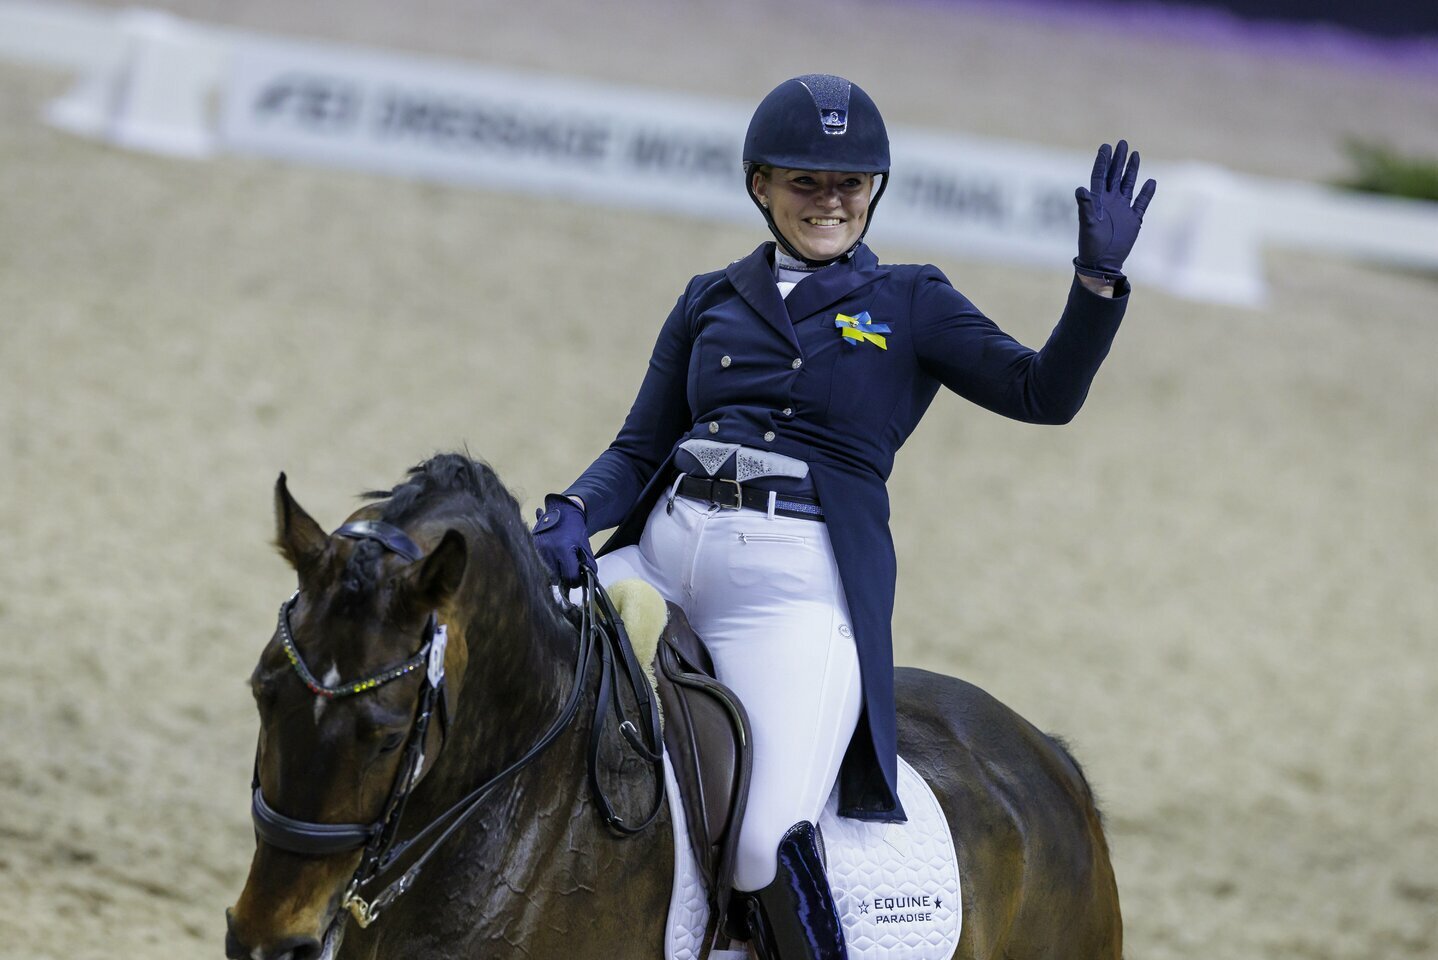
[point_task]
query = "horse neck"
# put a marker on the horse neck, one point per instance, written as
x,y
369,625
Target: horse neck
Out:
x,y
518,673
537,839
516,682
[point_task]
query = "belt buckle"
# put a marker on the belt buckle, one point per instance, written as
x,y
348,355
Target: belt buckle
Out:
x,y
738,495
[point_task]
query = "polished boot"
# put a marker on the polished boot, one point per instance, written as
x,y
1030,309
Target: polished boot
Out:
x,y
794,917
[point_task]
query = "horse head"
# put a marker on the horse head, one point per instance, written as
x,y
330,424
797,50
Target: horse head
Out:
x,y
433,590
370,646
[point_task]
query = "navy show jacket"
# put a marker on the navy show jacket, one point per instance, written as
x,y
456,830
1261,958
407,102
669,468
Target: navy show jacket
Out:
x,y
792,384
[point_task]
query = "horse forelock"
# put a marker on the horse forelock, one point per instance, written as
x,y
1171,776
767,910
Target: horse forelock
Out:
x,y
360,576
467,493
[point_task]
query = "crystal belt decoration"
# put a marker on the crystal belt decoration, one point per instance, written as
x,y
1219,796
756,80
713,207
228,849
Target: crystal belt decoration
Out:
x,y
749,463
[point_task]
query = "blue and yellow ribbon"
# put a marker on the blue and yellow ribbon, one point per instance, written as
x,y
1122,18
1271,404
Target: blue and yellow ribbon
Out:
x,y
856,330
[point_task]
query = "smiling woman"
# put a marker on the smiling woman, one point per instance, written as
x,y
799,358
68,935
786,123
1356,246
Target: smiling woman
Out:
x,y
778,394
814,181
821,214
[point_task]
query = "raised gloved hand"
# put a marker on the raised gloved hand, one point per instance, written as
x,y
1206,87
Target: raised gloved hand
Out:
x,y
1109,213
562,540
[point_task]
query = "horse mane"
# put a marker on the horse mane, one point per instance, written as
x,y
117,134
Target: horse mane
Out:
x,y
472,492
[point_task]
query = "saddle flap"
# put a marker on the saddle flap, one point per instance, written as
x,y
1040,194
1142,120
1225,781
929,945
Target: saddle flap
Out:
x,y
896,885
706,734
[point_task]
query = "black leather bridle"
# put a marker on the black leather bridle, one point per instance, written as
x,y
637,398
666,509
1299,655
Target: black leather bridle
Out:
x,y
600,627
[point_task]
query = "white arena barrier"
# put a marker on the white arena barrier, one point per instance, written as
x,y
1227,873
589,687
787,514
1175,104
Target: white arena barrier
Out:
x,y
151,81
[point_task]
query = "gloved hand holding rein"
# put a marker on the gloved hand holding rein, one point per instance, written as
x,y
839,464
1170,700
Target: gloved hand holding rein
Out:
x,y
1109,214
562,539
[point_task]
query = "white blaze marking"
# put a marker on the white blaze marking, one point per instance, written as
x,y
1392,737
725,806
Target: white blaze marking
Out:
x,y
331,677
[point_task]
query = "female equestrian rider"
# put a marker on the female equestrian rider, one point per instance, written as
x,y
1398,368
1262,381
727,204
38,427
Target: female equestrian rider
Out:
x,y
747,482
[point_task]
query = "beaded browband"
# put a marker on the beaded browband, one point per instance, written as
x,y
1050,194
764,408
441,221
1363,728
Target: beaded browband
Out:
x,y
359,686
396,541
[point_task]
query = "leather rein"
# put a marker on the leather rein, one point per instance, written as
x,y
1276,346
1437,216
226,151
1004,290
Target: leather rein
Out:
x,y
600,629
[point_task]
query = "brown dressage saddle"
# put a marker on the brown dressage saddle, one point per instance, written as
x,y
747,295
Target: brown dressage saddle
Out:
x,y
707,738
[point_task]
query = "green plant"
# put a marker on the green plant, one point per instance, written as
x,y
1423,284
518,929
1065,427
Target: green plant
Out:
x,y
1381,169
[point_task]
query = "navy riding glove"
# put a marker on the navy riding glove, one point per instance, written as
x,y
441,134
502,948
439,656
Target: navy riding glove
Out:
x,y
1109,213
562,540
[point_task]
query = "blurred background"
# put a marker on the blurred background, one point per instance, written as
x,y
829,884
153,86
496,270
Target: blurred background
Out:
x,y
1217,583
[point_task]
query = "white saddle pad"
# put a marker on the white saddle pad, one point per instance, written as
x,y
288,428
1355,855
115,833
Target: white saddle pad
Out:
x,y
896,884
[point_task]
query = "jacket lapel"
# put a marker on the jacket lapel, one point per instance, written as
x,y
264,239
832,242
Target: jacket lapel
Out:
x,y
832,284
753,278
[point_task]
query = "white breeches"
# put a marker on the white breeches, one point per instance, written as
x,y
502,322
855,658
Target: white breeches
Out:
x,y
765,595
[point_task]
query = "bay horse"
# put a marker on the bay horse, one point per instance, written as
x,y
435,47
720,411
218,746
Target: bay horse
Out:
x,y
444,564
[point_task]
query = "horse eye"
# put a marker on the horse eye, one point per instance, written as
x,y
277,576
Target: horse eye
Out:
x,y
391,742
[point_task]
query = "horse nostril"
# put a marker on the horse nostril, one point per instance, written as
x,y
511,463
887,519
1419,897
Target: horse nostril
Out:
x,y
295,948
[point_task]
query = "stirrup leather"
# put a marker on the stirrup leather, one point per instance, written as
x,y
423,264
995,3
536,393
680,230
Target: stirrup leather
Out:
x,y
706,734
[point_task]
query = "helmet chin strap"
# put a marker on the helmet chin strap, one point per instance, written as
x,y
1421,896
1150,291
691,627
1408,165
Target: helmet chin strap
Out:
x,y
792,251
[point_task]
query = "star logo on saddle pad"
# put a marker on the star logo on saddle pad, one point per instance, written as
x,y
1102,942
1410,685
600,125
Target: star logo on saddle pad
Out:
x,y
856,330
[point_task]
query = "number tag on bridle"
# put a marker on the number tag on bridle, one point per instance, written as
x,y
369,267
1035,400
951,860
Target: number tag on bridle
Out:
x,y
436,655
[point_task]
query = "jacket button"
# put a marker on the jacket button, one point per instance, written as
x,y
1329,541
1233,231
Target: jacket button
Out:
x,y
798,362
725,361
769,436
713,426
788,411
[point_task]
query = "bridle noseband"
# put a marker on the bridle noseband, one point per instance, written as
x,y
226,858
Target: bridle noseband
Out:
x,y
382,848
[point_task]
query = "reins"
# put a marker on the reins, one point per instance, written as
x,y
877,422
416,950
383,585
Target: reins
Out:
x,y
600,627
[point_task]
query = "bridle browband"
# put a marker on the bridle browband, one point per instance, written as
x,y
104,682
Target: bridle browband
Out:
x,y
382,848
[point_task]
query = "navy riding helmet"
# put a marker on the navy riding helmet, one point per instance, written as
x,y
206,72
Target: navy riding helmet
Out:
x,y
817,122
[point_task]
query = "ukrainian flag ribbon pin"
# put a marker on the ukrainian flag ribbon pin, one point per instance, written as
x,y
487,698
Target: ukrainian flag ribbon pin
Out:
x,y
858,329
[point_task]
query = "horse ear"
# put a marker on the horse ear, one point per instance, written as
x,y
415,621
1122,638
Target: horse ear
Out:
x,y
299,538
437,578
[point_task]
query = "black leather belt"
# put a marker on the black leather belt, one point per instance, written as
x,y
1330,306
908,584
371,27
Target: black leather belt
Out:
x,y
732,495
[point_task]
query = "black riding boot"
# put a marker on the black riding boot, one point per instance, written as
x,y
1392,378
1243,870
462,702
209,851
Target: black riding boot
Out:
x,y
795,918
